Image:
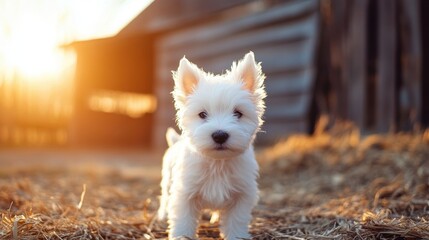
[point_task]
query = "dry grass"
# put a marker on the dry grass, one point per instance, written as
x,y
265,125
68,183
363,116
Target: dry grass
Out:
x,y
50,204
338,185
333,185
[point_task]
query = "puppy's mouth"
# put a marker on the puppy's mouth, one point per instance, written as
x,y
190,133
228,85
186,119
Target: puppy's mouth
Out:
x,y
220,147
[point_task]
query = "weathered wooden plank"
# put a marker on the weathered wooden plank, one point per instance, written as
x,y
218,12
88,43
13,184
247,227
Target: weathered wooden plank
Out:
x,y
164,15
355,68
301,33
335,17
287,84
288,107
274,58
207,32
284,33
411,57
424,8
385,86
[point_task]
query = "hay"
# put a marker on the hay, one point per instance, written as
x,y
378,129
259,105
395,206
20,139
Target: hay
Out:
x,y
52,205
374,187
336,184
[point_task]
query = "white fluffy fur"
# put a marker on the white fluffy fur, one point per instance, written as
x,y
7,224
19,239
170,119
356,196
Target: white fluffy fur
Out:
x,y
196,174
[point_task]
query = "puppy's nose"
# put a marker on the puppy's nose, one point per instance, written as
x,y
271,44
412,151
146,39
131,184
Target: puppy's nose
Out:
x,y
220,136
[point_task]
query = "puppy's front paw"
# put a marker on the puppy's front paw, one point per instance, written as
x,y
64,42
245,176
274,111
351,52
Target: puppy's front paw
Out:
x,y
237,235
182,238
183,227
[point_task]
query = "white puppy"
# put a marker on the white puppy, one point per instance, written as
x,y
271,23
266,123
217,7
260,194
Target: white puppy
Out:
x,y
212,164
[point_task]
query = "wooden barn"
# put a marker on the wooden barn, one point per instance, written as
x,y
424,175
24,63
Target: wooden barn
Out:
x,y
212,34
373,63
359,60
113,98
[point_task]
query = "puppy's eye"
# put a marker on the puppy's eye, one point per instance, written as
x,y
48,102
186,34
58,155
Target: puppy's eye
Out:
x,y
237,114
202,115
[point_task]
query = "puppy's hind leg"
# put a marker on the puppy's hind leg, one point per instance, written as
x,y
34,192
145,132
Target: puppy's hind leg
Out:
x,y
162,211
165,185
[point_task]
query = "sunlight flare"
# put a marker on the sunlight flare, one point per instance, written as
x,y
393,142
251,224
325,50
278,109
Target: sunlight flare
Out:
x,y
37,68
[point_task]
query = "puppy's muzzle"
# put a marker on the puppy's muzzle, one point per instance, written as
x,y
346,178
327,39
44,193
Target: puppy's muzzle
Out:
x,y
220,137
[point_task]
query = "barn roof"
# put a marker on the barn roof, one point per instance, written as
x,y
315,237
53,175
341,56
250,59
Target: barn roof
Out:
x,y
163,15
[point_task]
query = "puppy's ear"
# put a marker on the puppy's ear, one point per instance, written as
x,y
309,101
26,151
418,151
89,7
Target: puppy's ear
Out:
x,y
250,73
186,77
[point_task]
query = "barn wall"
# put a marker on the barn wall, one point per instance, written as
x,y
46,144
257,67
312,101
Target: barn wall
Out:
x,y
111,78
358,60
424,8
283,37
371,62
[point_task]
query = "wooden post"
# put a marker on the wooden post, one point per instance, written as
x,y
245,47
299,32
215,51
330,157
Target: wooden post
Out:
x,y
424,8
355,73
411,57
337,19
385,86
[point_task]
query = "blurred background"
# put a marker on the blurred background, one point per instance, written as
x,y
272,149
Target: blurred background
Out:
x,y
85,103
97,74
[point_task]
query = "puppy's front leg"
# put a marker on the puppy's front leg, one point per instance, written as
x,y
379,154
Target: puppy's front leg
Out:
x,y
183,215
235,220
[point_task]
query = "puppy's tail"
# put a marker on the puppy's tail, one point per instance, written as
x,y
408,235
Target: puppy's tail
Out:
x,y
172,136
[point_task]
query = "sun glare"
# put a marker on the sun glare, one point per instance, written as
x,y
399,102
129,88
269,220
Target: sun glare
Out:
x,y
34,54
31,32
37,73
29,48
